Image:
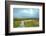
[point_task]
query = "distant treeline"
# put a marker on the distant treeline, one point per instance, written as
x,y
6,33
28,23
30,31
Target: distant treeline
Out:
x,y
19,19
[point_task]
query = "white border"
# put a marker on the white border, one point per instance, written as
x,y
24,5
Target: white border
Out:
x,y
25,29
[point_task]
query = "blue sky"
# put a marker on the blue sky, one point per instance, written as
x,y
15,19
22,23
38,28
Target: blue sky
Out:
x,y
25,12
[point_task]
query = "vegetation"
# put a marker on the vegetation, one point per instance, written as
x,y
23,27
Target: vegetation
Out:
x,y
33,23
17,19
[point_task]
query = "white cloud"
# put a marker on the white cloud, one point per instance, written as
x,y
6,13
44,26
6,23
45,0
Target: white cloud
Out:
x,y
25,11
31,12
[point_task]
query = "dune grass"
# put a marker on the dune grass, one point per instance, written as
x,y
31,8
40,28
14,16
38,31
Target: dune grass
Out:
x,y
33,23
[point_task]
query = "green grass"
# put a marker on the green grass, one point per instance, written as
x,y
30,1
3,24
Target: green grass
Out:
x,y
16,23
33,23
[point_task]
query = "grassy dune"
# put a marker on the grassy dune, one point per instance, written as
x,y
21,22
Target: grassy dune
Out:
x,y
33,23
27,22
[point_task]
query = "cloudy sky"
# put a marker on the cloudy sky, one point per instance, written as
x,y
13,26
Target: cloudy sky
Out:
x,y
26,13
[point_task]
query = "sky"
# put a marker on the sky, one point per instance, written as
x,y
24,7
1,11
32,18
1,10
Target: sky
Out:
x,y
25,13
